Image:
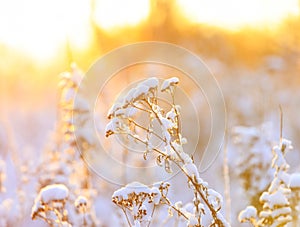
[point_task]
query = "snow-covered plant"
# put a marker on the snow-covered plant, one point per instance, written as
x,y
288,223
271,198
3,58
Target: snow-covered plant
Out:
x,y
62,155
50,204
294,185
249,215
83,208
276,206
63,161
123,115
74,109
252,162
138,202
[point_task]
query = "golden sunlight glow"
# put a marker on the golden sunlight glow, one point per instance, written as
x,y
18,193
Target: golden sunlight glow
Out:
x,y
116,13
41,28
234,14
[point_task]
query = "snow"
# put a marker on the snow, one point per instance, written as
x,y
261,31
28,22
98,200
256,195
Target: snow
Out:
x,y
192,221
286,144
116,106
178,205
111,127
134,187
5,207
189,208
130,96
167,124
178,147
279,160
37,207
282,221
68,94
85,133
138,188
135,93
155,191
295,181
215,199
244,134
152,82
176,191
169,83
55,192
282,211
77,74
247,214
171,115
136,224
215,194
277,198
140,91
162,184
130,111
223,220
191,170
80,104
80,201
183,140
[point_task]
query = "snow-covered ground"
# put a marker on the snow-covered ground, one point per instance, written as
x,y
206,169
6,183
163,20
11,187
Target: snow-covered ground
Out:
x,y
36,153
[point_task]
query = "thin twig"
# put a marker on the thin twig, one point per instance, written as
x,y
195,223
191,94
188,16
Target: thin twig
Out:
x,y
174,208
124,210
146,129
151,215
140,108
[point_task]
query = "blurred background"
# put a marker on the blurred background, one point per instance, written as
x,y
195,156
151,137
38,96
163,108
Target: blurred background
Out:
x,y
252,47
255,43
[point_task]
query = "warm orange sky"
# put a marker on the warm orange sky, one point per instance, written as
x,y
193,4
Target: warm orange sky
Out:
x,y
40,27
234,14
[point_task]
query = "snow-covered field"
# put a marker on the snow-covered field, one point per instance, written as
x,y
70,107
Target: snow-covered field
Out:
x,y
43,176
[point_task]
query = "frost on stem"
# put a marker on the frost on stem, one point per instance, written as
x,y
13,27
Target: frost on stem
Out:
x,y
122,116
276,206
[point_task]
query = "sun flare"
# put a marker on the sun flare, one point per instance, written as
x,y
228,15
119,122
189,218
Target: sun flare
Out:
x,y
117,13
41,28
44,29
234,14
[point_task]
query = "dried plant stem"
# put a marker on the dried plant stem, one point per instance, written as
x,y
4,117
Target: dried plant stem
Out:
x,y
124,210
170,149
194,182
152,212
